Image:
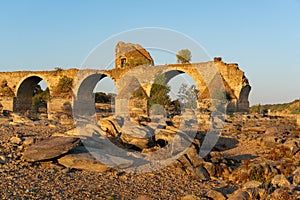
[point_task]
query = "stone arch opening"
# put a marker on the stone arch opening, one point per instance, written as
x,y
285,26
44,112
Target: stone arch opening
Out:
x,y
32,97
179,91
93,98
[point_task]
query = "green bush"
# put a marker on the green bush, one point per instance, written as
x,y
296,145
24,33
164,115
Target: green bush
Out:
x,y
64,87
159,92
40,98
101,97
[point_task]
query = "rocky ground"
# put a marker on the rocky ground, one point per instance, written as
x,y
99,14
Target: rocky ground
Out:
x,y
255,158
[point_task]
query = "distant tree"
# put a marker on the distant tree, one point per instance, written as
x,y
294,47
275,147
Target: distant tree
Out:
x,y
159,92
101,97
139,93
188,97
184,56
40,97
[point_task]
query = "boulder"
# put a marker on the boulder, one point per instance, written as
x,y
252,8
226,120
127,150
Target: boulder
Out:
x,y
269,141
280,193
16,140
109,127
83,161
210,167
165,135
190,197
141,143
72,132
252,184
280,181
92,159
199,173
2,159
28,141
271,131
50,148
66,120
240,195
213,194
292,145
257,129
193,156
137,131
296,177
20,119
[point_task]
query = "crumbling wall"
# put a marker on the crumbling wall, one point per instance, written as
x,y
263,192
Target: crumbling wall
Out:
x,y
235,82
131,55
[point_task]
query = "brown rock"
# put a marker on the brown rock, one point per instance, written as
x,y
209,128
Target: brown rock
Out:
x,y
109,127
131,55
2,159
50,148
269,141
258,129
141,143
16,140
28,141
213,194
83,161
193,156
65,120
271,130
20,119
240,195
292,145
184,161
190,197
165,135
92,159
296,177
210,167
252,184
280,181
280,193
199,173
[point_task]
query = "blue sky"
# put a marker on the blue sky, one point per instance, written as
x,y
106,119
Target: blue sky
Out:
x,y
262,36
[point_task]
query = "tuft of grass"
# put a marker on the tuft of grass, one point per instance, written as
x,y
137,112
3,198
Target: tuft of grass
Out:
x,y
257,173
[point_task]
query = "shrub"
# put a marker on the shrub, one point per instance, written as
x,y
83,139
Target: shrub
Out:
x,y
184,56
64,87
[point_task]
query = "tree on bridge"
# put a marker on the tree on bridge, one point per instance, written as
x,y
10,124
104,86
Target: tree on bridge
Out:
x,y
184,56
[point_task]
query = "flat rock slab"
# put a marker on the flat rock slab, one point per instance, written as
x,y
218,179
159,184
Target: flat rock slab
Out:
x,y
83,161
50,148
92,159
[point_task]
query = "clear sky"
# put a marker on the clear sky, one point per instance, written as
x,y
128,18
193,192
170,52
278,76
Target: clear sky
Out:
x,y
262,36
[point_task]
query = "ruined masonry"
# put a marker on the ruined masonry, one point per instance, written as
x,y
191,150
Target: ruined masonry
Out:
x,y
132,62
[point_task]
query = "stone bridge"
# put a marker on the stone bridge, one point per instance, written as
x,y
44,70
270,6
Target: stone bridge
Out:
x,y
17,88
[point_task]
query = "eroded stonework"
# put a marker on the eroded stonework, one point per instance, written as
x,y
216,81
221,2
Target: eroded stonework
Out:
x,y
131,55
133,70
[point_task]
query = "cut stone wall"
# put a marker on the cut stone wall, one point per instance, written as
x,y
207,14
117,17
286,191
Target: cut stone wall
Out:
x,y
23,82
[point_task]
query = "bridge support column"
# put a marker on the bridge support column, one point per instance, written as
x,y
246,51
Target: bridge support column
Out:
x,y
7,103
59,105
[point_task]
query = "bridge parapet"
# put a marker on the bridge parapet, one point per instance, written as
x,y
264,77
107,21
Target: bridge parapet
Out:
x,y
22,83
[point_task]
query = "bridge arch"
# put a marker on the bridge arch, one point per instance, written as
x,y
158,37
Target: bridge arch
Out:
x,y
84,101
25,91
174,77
